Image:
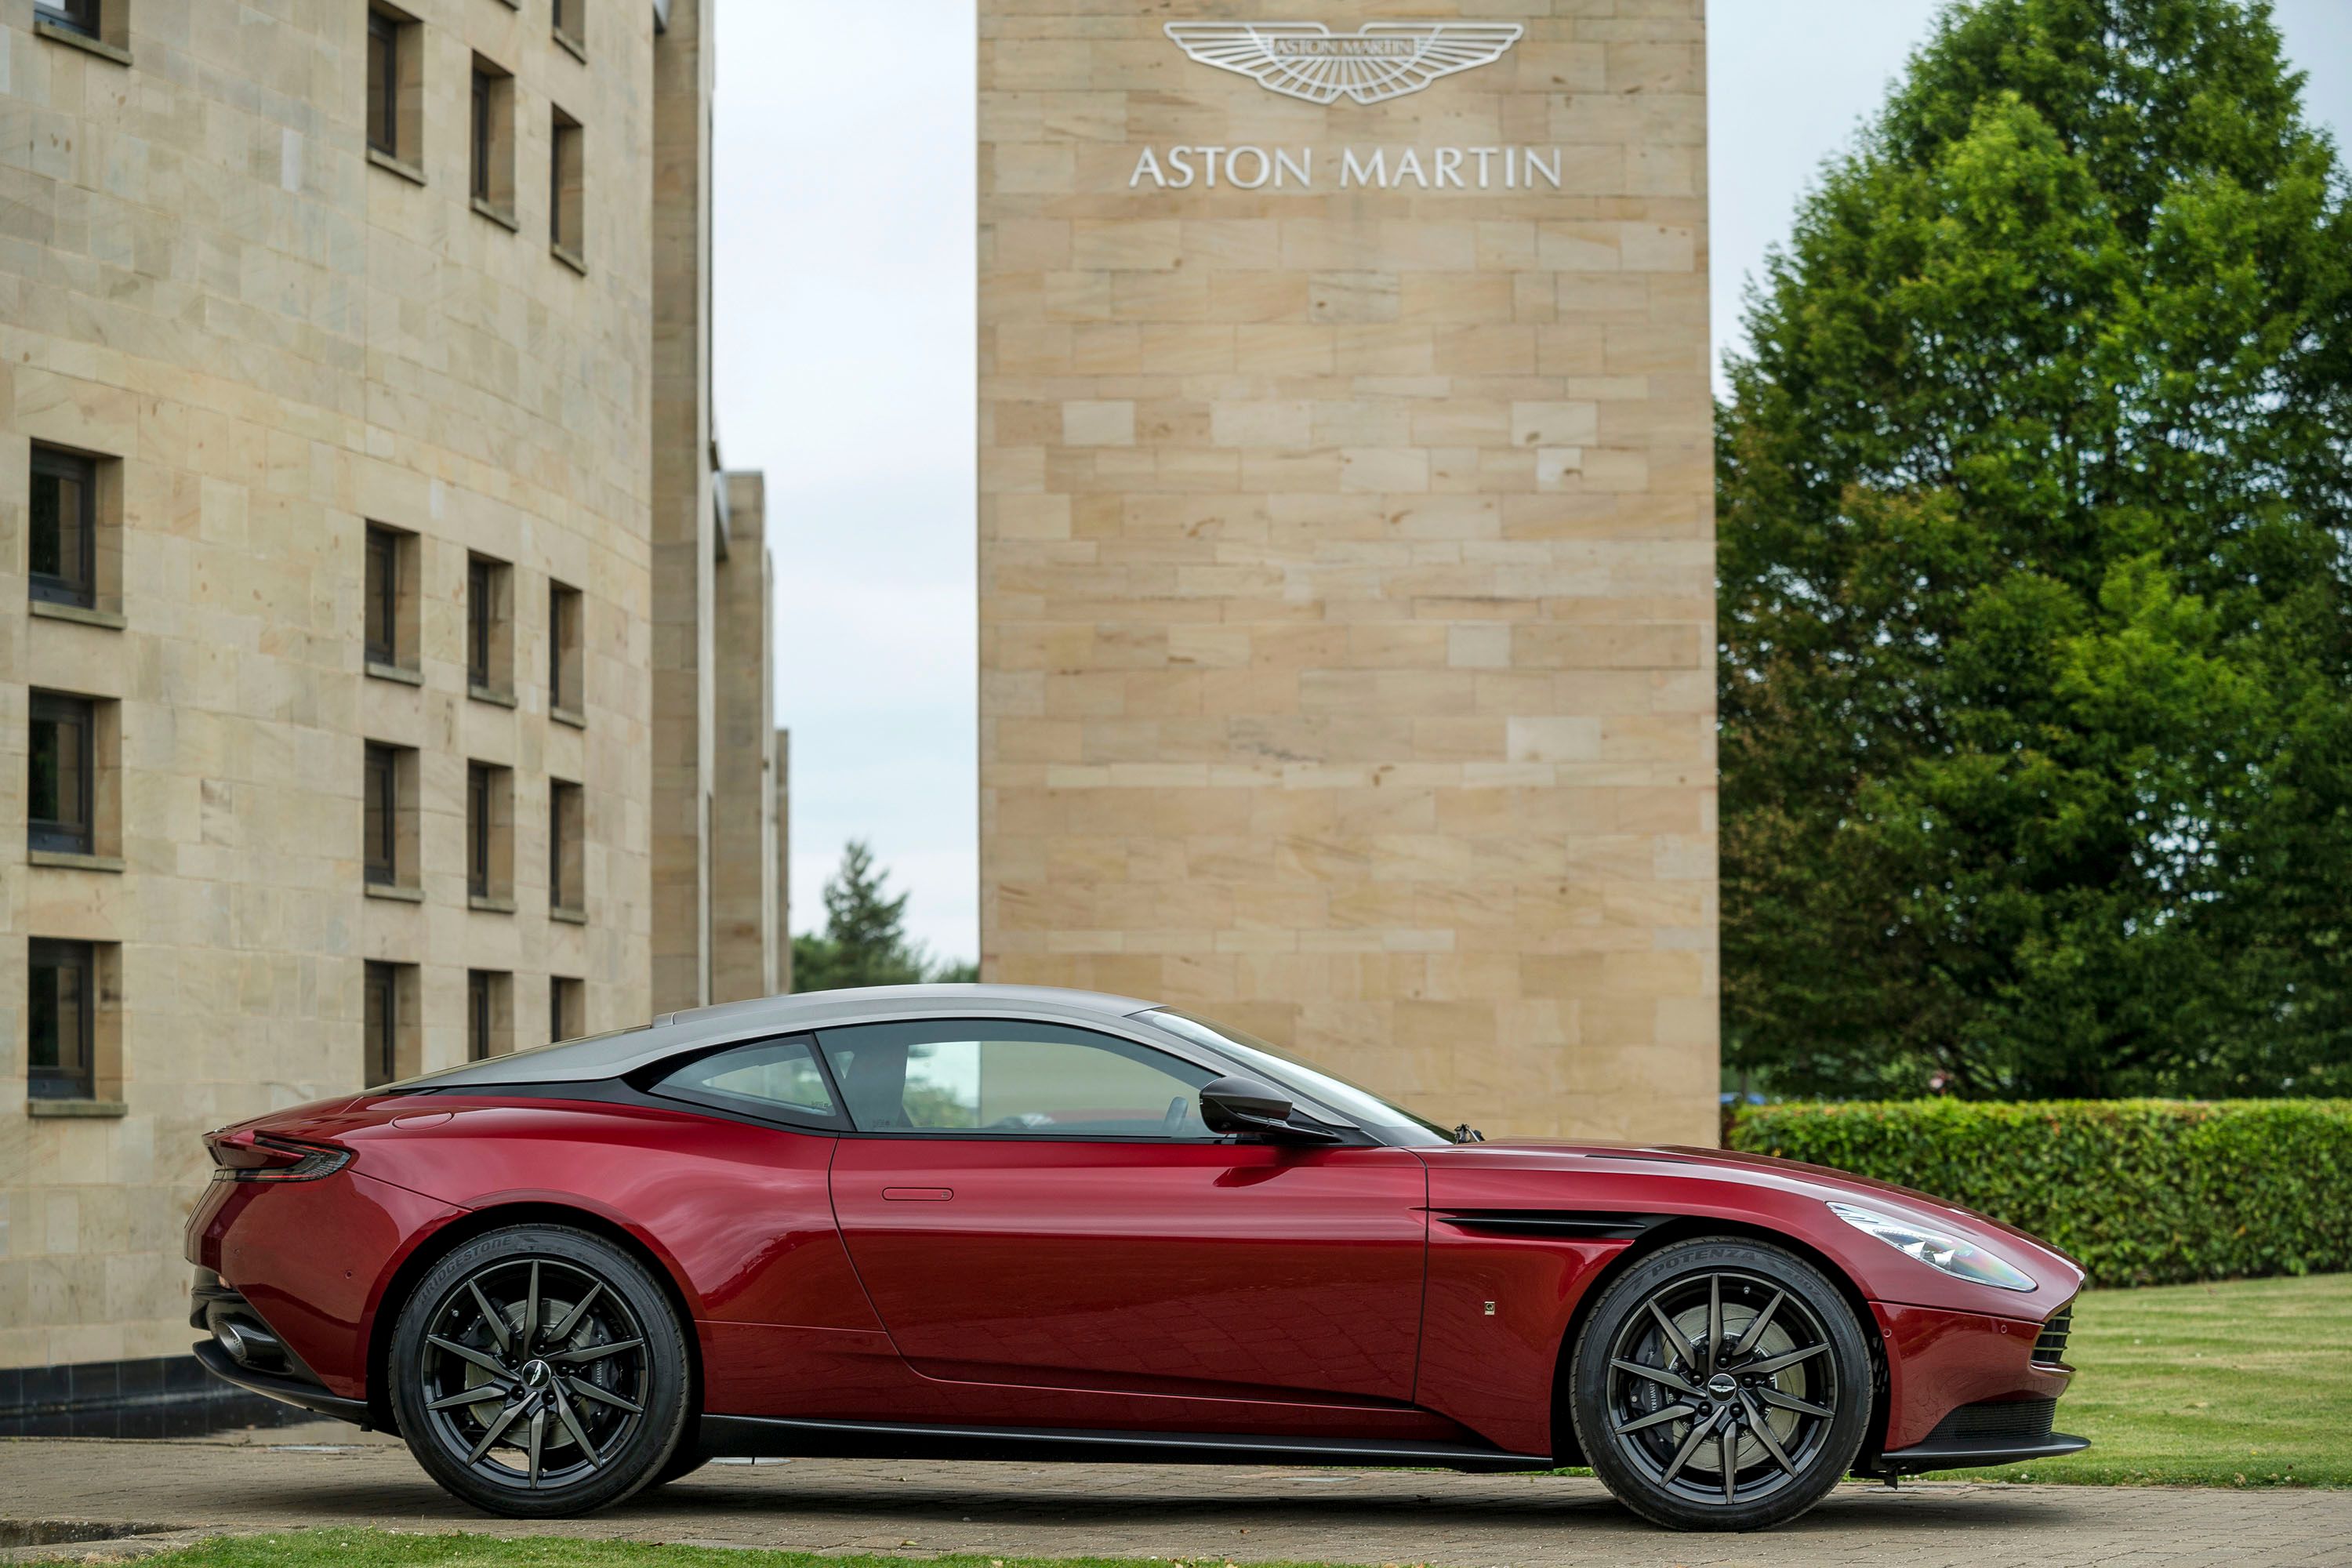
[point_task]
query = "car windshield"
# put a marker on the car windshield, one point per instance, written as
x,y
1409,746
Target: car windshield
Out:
x,y
1392,1122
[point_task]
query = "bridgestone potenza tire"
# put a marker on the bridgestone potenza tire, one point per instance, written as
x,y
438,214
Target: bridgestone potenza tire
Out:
x,y
1720,1384
539,1372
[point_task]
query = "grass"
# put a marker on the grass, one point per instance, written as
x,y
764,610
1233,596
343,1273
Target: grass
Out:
x,y
2245,1383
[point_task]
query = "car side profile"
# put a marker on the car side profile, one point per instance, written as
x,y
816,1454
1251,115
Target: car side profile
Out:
x,y
980,1220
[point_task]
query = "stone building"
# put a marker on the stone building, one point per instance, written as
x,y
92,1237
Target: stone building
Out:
x,y
383,655
1347,650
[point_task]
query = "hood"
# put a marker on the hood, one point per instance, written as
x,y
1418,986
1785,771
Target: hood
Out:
x,y
1755,1191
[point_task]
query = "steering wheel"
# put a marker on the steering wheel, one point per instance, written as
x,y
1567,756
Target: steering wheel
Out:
x,y
1174,1119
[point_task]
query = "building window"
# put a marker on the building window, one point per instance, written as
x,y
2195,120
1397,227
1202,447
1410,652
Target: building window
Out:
x,y
571,17
490,839
390,820
565,879
394,83
65,528
61,1008
486,1013
565,175
567,1008
79,16
391,595
493,141
565,654
489,666
63,807
390,1023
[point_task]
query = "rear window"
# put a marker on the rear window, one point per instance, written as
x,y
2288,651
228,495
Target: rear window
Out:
x,y
774,1078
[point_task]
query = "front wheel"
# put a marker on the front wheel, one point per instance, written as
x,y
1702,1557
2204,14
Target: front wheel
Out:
x,y
539,1370
1720,1384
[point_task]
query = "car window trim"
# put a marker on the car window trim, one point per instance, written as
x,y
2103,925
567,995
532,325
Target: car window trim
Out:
x,y
646,1080
1183,1051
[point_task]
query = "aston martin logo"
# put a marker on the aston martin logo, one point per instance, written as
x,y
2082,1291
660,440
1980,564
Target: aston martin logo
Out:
x,y
1379,61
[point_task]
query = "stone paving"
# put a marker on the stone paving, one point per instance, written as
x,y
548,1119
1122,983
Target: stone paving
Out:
x,y
328,1476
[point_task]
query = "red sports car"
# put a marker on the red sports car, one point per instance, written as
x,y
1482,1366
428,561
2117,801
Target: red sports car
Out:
x,y
991,1221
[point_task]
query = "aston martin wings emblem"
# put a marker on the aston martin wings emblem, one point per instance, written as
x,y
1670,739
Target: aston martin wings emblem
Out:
x,y
1379,61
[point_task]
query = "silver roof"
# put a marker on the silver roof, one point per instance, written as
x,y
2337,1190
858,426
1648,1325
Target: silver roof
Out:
x,y
610,1056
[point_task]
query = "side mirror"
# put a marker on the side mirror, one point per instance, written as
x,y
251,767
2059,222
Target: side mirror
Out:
x,y
1253,1109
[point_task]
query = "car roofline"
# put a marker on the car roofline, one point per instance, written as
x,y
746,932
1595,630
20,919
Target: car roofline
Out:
x,y
600,1056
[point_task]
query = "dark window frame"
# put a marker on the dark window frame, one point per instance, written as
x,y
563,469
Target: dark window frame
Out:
x,y
485,579
480,783
81,586
565,831
61,1080
76,834
384,82
479,179
82,16
567,610
380,1035
558,988
565,138
380,851
481,1014
382,594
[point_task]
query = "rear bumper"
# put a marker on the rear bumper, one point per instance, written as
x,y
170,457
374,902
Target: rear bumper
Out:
x,y
286,1390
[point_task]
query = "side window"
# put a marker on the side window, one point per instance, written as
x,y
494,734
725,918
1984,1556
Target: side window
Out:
x,y
993,1077
777,1078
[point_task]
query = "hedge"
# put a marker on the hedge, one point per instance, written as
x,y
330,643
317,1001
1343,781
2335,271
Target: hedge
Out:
x,y
2139,1192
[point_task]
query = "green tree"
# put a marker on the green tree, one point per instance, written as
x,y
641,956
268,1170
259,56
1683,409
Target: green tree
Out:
x,y
864,941
2035,492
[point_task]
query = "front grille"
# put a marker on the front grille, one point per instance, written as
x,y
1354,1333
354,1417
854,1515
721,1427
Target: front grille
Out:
x,y
2050,1345
2021,1418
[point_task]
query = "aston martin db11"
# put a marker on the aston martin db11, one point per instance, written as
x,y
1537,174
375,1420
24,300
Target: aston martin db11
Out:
x,y
999,1222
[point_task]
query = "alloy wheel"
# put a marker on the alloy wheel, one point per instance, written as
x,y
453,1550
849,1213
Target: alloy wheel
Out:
x,y
1722,1387
533,1373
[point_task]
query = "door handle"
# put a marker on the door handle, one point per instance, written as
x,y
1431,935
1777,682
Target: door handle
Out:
x,y
918,1195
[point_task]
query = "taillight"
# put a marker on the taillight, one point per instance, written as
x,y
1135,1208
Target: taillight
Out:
x,y
248,1156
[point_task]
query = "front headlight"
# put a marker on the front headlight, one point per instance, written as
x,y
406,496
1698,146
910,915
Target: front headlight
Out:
x,y
1960,1258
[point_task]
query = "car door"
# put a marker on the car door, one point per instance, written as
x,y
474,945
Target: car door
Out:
x,y
1038,1203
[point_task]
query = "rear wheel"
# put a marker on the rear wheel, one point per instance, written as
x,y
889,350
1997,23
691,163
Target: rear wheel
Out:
x,y
539,1370
1721,1385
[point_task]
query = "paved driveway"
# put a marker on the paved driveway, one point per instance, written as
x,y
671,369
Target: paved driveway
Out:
x,y
330,1475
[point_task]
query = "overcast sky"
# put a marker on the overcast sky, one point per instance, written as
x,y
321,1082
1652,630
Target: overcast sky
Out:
x,y
844,274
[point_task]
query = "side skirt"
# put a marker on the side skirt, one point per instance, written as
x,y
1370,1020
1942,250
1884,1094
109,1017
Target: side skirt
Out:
x,y
770,1435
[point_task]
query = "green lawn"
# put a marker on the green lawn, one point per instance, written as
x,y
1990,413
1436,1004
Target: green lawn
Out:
x,y
2247,1384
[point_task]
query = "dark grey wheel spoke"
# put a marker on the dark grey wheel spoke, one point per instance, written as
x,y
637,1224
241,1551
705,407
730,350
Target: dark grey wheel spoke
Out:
x,y
581,1388
487,1362
1729,1449
492,1316
538,1436
1791,1401
479,1394
1767,1368
595,1352
1714,1320
579,1434
1699,1432
1756,1328
1660,1375
563,1331
494,1431
1674,1336
1763,1430
531,1310
1671,1413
